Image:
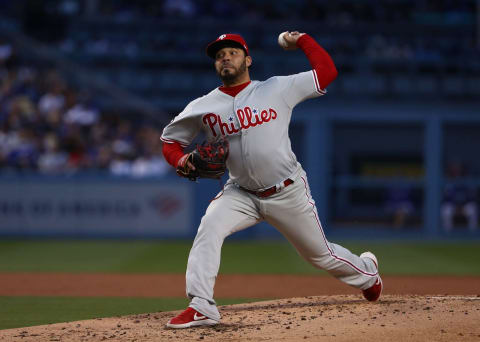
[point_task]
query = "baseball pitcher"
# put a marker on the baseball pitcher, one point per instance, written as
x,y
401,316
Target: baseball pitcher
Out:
x,y
246,125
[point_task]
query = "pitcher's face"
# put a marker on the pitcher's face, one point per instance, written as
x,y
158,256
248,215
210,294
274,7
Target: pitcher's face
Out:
x,y
231,63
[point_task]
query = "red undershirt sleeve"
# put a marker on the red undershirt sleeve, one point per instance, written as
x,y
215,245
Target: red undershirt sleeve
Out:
x,y
172,153
319,59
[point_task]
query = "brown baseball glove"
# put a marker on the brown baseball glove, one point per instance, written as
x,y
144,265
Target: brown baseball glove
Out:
x,y
206,161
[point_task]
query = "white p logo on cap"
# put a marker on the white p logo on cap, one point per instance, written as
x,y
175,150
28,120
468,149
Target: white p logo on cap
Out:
x,y
223,36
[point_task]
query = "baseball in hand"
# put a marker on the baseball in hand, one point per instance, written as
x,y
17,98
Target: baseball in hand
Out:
x,y
281,40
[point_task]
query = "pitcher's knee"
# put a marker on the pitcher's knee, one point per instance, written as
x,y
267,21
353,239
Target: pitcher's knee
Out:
x,y
211,227
324,262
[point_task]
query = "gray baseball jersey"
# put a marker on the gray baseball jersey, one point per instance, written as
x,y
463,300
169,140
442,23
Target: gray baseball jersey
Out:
x,y
256,122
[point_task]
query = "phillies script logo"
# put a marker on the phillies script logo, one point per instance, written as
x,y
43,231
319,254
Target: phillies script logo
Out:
x,y
246,117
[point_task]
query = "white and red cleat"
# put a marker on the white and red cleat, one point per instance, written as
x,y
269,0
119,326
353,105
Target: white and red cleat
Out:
x,y
373,293
190,318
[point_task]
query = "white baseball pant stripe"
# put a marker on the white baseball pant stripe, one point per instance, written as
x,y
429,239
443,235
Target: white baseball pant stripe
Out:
x,y
307,192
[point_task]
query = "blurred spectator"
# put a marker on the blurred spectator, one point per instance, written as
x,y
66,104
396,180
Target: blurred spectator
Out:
x,y
6,51
75,146
121,165
123,141
149,165
102,158
82,114
54,99
459,199
22,150
399,205
52,160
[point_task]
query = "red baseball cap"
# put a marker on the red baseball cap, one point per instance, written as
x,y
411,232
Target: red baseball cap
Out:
x,y
228,39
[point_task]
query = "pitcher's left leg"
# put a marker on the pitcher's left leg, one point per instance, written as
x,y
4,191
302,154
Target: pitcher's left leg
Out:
x,y
294,214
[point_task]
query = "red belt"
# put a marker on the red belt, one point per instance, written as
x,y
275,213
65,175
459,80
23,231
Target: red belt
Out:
x,y
268,192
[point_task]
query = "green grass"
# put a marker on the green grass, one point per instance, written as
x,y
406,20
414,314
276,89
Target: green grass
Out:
x,y
427,258
413,258
18,312
394,258
93,256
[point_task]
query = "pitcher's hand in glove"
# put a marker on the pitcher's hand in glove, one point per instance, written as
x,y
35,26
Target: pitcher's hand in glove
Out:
x,y
206,161
185,168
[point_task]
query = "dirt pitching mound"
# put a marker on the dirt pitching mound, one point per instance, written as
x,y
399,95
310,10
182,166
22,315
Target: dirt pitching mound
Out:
x,y
324,318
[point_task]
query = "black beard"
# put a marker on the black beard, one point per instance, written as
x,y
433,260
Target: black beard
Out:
x,y
230,78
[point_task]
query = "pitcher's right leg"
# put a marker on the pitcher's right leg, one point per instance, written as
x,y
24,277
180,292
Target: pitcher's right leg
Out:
x,y
294,214
231,212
